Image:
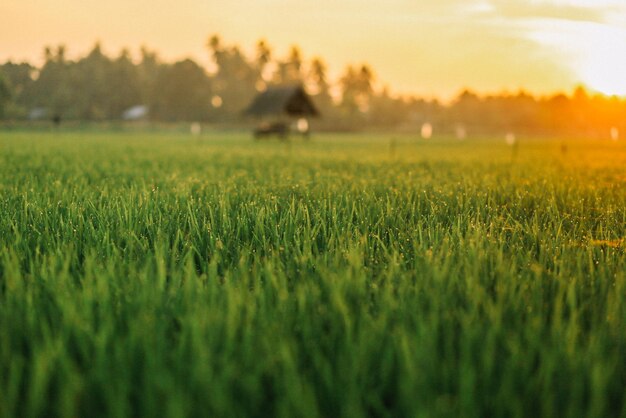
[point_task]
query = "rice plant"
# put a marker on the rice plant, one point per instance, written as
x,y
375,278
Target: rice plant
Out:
x,y
164,275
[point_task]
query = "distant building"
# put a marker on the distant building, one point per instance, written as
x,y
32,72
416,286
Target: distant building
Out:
x,y
138,112
279,107
42,113
38,113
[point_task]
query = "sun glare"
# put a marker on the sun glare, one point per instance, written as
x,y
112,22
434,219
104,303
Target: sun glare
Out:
x,y
604,70
602,62
594,52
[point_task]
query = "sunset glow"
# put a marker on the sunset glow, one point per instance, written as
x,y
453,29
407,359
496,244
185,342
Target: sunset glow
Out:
x,y
604,68
593,51
428,47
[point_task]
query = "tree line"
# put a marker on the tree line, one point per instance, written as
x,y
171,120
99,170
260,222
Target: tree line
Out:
x,y
97,87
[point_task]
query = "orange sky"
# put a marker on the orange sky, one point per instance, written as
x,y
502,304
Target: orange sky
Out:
x,y
428,47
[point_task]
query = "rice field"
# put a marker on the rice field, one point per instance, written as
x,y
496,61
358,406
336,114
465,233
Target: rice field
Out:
x,y
164,275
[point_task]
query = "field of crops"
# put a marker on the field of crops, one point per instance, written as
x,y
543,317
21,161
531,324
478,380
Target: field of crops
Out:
x,y
353,275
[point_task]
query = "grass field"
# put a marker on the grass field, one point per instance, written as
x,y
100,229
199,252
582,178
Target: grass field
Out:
x,y
168,276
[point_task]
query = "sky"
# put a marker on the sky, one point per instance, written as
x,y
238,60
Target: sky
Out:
x,y
433,48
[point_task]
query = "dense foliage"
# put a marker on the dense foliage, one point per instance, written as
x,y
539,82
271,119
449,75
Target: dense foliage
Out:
x,y
169,276
97,87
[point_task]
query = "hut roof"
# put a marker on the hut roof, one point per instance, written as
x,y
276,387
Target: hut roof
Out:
x,y
282,100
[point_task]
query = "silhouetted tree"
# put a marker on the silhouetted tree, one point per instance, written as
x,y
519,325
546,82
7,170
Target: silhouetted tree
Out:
x,y
184,93
357,89
349,91
386,111
18,77
53,88
97,87
466,109
290,70
235,79
263,58
5,96
148,72
124,85
319,87
91,77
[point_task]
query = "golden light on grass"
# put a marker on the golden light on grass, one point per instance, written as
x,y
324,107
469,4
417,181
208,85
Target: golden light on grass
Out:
x,y
616,243
615,134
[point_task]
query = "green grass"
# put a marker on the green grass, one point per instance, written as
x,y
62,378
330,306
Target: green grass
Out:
x,y
161,275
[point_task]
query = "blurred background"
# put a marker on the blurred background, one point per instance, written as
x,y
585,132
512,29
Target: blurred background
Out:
x,y
455,67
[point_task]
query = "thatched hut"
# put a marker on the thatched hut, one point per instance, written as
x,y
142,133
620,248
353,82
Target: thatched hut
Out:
x,y
280,106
